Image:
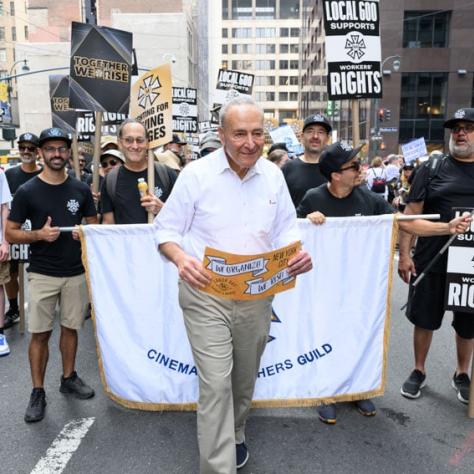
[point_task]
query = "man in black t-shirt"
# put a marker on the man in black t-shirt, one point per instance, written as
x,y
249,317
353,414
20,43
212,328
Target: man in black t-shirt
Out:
x,y
303,172
440,192
56,275
16,176
343,196
126,206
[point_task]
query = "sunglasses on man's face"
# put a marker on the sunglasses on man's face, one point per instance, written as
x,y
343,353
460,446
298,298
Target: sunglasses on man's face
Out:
x,y
107,163
27,148
353,166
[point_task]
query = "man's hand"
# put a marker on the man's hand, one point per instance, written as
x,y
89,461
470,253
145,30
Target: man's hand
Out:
x,y
406,268
96,197
151,203
460,224
300,263
48,233
190,270
4,251
75,233
316,218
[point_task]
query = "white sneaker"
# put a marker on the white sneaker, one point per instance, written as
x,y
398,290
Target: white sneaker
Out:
x,y
4,348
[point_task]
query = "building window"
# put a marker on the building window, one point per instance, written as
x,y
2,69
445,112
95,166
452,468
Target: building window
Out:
x,y
264,96
241,9
422,106
2,32
224,49
284,48
1,8
294,32
283,64
288,80
224,32
242,64
3,55
289,9
13,33
225,9
265,49
265,80
241,49
283,96
294,48
264,64
26,32
265,32
12,8
287,114
424,29
293,96
241,32
269,113
294,64
265,9
284,32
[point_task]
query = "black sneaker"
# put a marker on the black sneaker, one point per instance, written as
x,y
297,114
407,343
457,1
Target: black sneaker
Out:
x,y
242,455
76,386
413,384
12,316
36,406
461,384
327,413
366,407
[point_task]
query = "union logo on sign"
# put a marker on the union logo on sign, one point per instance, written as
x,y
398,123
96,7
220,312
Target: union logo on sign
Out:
x,y
355,46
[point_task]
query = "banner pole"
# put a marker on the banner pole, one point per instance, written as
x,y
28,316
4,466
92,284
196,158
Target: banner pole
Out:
x,y
96,157
355,123
151,180
21,295
75,156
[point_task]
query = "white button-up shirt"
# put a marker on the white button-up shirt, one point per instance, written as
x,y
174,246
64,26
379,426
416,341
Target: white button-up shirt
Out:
x,y
210,205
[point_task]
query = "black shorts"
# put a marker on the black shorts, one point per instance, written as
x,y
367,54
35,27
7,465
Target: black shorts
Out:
x,y
426,306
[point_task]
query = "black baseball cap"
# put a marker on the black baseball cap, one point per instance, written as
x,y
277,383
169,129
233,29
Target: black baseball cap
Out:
x,y
335,156
461,115
54,133
318,119
177,140
278,146
28,137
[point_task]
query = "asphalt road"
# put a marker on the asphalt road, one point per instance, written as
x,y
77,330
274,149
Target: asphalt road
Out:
x,y
432,434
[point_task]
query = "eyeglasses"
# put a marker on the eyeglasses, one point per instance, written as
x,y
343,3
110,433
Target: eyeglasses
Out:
x,y
353,166
52,149
132,140
465,128
24,148
107,163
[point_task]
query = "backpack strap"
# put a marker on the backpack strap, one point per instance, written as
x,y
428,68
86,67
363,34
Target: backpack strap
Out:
x,y
162,171
434,164
111,183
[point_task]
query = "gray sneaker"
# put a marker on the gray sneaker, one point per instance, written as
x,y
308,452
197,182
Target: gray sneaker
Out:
x,y
413,384
74,385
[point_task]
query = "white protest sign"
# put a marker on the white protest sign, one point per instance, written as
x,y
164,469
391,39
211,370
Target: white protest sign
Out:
x,y
413,150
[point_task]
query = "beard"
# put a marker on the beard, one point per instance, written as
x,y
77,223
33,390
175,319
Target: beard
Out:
x,y
461,151
55,166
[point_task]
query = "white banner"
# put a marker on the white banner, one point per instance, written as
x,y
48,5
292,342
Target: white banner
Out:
x,y
328,337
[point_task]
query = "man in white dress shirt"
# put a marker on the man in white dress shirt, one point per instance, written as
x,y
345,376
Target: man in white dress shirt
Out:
x,y
238,202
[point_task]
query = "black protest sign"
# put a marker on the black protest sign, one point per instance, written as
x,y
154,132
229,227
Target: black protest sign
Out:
x,y
459,294
185,110
207,126
62,116
231,84
100,74
86,123
353,49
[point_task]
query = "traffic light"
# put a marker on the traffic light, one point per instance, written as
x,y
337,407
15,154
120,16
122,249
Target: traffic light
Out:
x,y
388,114
381,115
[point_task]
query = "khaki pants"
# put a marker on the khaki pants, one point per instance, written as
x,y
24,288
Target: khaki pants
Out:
x,y
227,339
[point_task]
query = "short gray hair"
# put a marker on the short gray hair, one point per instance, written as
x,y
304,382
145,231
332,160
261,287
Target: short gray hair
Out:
x,y
235,102
126,122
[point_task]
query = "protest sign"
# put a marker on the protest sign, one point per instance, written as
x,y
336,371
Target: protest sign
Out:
x,y
459,294
286,134
414,150
100,73
207,126
230,84
62,116
249,277
353,49
185,110
151,103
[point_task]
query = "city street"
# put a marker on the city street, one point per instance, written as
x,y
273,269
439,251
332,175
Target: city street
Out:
x,y
432,434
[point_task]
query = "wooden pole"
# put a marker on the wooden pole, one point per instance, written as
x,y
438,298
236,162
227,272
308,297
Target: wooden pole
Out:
x,y
355,123
75,157
21,294
96,157
151,179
